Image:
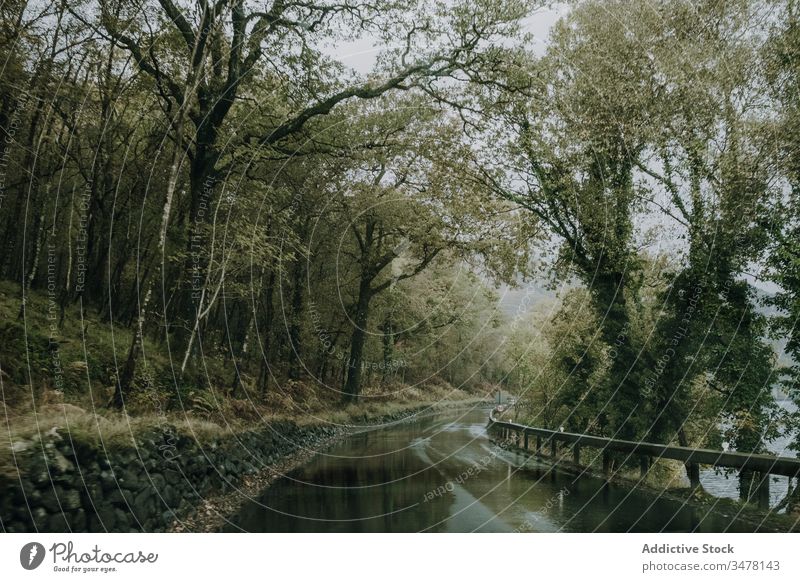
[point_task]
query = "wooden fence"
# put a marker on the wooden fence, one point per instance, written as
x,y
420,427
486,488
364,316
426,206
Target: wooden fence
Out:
x,y
761,465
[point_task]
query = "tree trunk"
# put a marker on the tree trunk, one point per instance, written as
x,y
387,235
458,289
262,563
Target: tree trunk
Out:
x,y
295,360
126,375
352,387
388,347
621,389
269,315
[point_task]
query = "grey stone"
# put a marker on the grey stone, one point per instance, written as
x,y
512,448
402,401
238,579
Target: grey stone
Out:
x,y
107,480
57,523
123,520
172,476
70,500
40,517
143,505
50,500
20,512
93,490
60,465
57,499
120,497
130,480
37,471
77,521
170,495
107,517
158,482
67,450
21,446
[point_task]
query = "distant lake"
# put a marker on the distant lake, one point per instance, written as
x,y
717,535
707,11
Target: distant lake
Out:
x,y
722,485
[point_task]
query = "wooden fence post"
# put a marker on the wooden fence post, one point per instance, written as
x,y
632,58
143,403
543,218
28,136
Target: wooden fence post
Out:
x,y
763,491
606,463
644,465
693,471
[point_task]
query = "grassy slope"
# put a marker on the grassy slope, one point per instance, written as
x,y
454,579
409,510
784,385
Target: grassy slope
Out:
x,y
37,397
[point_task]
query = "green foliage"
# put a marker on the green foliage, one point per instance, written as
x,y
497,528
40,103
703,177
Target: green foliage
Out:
x,y
642,124
222,217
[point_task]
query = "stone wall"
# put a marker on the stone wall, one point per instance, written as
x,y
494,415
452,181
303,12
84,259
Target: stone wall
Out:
x,y
65,486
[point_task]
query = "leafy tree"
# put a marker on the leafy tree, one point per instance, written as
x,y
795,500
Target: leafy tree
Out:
x,y
568,161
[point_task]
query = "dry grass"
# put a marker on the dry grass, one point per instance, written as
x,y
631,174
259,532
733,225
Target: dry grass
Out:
x,y
102,429
107,429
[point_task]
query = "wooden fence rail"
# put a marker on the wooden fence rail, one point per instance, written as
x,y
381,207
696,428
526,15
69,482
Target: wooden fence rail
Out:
x,y
762,465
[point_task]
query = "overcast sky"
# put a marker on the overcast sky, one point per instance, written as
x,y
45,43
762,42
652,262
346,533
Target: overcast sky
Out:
x,y
361,54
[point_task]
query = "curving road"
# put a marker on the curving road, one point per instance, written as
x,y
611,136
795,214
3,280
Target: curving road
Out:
x,y
443,474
